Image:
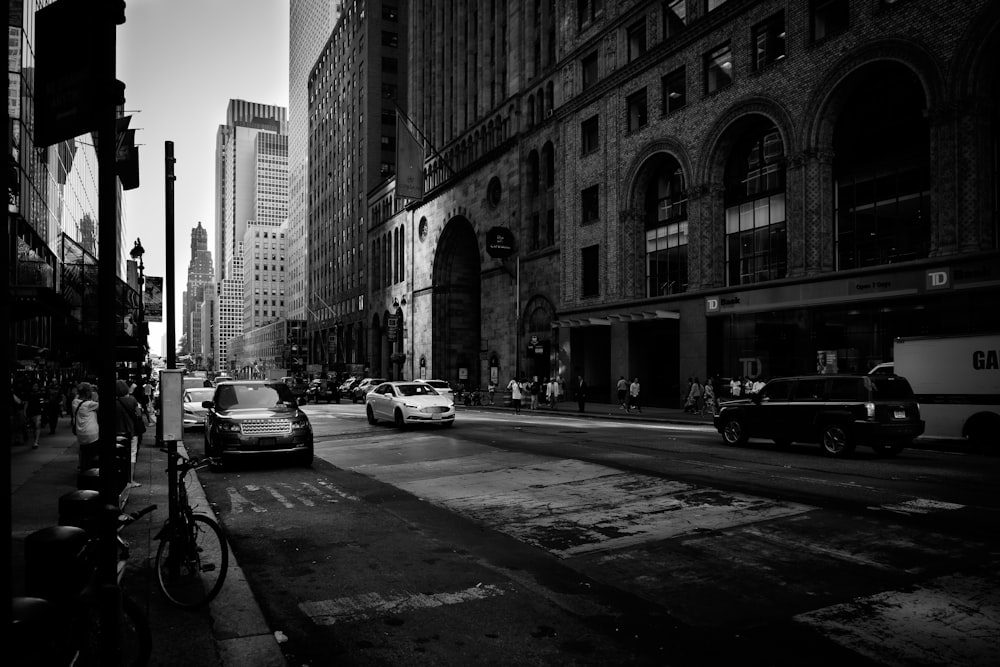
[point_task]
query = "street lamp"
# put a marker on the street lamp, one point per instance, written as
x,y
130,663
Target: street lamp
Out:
x,y
136,254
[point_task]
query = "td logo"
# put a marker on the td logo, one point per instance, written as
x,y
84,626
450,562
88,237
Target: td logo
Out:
x,y
938,279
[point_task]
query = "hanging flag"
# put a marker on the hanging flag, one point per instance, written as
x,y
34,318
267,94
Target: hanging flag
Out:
x,y
409,162
152,299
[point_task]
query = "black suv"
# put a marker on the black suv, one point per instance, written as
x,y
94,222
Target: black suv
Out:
x,y
837,411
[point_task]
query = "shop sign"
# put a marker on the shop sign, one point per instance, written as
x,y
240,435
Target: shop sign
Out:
x,y
391,325
499,242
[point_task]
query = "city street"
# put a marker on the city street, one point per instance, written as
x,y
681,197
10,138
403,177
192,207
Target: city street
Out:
x,y
549,538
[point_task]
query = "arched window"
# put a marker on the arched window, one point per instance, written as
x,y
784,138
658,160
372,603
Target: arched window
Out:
x,y
549,95
532,175
549,164
666,225
402,255
756,248
541,105
531,110
882,174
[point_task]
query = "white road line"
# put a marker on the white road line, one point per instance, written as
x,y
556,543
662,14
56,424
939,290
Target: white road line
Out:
x,y
918,506
279,497
238,503
369,605
308,502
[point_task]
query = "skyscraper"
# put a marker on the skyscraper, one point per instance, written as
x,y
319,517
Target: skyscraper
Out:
x,y
199,273
310,22
251,184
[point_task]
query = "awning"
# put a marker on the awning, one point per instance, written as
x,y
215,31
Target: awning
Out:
x,y
610,318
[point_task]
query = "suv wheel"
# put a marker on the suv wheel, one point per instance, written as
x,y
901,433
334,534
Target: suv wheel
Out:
x,y
733,431
834,441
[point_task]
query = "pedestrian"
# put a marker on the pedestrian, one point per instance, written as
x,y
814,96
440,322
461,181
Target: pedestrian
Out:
x,y
515,394
84,424
688,398
129,420
581,392
535,390
35,407
735,385
622,387
491,389
758,384
552,391
697,392
53,405
709,406
633,392
18,422
142,398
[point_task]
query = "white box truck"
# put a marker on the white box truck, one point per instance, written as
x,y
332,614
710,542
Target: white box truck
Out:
x,y
957,382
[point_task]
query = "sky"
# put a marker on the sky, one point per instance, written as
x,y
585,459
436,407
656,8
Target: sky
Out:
x,y
181,62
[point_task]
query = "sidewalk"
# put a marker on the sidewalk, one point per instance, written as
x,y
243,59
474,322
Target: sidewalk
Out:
x,y
230,631
569,408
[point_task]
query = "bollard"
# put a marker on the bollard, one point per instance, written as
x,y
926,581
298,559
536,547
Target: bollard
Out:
x,y
54,566
81,509
89,479
36,634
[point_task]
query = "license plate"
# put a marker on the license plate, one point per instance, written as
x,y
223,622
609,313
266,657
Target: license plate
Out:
x,y
436,416
899,414
266,442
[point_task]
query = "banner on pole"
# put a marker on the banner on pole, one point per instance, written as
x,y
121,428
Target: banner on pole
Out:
x,y
409,162
152,298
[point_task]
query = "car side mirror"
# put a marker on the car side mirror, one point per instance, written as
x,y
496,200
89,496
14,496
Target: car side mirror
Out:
x,y
208,404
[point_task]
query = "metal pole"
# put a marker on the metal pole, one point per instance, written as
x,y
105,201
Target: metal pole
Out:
x,y
108,326
168,299
517,322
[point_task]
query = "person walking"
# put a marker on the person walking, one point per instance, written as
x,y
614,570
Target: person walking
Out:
x,y
491,389
709,406
581,392
633,392
35,407
687,399
129,420
84,424
697,400
735,386
552,392
142,398
53,405
622,387
534,389
515,394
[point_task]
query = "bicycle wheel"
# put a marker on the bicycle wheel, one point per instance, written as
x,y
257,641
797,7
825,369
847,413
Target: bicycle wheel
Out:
x,y
135,639
192,561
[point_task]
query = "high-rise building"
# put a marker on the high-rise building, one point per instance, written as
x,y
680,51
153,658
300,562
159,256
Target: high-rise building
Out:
x,y
264,273
692,189
354,87
310,22
251,185
200,271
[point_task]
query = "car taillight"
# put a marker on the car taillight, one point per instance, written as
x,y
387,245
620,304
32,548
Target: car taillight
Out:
x,y
870,410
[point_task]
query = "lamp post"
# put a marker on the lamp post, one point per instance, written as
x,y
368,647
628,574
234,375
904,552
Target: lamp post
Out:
x,y
136,253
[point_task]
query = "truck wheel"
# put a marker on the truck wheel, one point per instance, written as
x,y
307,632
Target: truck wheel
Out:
x,y
834,440
983,431
733,432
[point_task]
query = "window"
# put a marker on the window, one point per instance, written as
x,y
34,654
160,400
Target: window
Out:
x,y
828,17
388,117
589,67
390,65
715,4
390,13
536,232
390,39
590,204
755,209
587,11
674,17
388,91
590,266
638,116
666,230
636,39
588,136
718,68
769,41
810,390
674,90
550,227
388,143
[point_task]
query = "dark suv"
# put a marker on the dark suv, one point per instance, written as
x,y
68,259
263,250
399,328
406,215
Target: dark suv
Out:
x,y
837,411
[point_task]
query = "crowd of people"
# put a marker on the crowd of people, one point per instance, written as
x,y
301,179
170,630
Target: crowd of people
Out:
x,y
38,404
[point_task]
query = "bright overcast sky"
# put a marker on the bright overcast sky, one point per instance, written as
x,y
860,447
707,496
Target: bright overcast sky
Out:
x,y
181,62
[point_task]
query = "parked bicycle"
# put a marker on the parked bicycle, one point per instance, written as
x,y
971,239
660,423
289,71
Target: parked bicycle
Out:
x,y
75,614
193,557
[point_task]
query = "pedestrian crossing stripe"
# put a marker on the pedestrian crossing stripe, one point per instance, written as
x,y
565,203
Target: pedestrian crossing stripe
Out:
x,y
919,506
365,606
257,498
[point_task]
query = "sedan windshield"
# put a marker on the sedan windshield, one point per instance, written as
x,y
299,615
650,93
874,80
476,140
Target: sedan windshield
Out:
x,y
238,396
198,395
416,390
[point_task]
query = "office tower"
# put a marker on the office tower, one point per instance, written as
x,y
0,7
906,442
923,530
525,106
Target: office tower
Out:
x,y
200,271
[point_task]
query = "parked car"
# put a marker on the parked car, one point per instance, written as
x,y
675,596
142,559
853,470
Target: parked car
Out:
x,y
249,418
194,408
297,387
322,390
222,378
366,385
443,388
347,385
409,402
885,368
837,411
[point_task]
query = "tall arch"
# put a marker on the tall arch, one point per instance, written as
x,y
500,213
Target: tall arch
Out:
x,y
537,318
456,303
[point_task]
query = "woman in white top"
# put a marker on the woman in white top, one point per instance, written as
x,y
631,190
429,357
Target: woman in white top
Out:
x,y
85,423
515,394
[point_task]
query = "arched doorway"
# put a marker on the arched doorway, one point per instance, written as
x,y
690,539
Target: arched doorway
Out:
x,y
456,305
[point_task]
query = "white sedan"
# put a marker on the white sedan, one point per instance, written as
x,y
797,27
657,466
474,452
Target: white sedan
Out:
x,y
194,411
409,402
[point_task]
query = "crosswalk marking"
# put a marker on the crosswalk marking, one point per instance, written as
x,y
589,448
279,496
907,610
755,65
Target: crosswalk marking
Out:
x,y
370,605
919,506
255,497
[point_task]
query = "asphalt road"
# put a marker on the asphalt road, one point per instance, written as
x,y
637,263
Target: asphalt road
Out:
x,y
546,539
